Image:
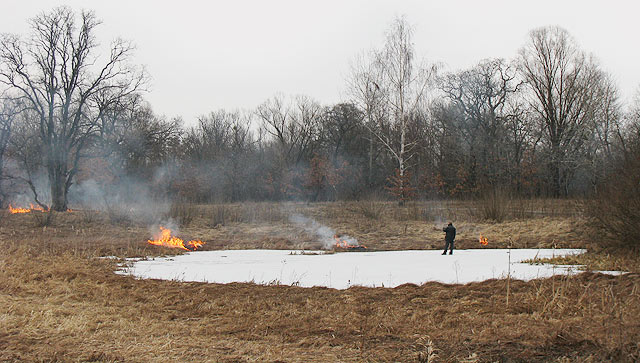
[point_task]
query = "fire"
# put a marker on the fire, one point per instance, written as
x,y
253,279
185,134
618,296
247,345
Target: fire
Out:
x,y
483,240
26,210
167,240
340,243
18,210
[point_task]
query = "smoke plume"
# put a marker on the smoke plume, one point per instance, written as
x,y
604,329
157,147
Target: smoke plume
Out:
x,y
324,234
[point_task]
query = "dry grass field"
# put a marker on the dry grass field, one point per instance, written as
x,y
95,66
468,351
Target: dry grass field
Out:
x,y
59,301
384,225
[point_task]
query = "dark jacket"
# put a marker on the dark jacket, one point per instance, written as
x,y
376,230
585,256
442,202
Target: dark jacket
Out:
x,y
450,233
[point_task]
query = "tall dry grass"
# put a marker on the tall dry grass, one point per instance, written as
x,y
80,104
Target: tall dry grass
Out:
x,y
417,225
229,213
183,213
494,206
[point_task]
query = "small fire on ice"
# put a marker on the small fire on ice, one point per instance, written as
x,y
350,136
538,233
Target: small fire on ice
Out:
x,y
483,240
25,210
340,243
167,240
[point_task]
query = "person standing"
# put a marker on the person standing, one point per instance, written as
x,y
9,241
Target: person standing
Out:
x,y
449,237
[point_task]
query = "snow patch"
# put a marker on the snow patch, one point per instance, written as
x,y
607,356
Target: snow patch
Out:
x,y
342,270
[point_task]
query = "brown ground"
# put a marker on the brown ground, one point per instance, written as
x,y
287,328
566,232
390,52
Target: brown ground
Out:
x,y
59,302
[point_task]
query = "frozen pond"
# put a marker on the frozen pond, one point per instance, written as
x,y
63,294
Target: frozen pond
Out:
x,y
341,270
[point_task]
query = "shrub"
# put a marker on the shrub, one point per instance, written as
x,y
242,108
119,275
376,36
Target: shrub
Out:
x,y
615,209
400,187
43,219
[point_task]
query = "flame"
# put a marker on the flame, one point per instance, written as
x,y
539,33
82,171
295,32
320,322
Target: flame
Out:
x,y
167,240
38,208
30,209
483,240
340,243
26,210
18,210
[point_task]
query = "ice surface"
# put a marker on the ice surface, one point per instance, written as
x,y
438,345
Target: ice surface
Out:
x,y
342,270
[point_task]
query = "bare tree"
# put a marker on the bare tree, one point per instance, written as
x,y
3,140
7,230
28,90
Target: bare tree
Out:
x,y
403,85
628,135
607,116
561,78
602,149
366,94
523,133
241,143
222,141
294,128
56,75
26,149
150,141
483,95
9,110
341,125
211,138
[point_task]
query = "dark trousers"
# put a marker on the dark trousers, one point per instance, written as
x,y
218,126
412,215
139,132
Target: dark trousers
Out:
x,y
448,245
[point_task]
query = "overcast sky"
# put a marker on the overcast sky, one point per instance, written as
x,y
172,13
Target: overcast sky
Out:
x,y
206,55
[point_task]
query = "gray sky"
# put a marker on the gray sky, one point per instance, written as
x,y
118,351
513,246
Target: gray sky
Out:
x,y
206,55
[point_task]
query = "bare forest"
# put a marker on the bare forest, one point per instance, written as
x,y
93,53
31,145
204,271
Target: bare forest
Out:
x,y
75,125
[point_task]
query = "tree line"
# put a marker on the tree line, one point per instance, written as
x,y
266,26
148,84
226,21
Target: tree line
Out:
x,y
548,122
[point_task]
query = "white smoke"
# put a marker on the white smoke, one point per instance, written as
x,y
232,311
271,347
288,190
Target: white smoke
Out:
x,y
326,235
128,198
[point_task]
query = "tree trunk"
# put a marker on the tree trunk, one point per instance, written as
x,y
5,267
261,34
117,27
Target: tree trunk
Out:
x,y
556,185
57,180
1,177
370,173
401,162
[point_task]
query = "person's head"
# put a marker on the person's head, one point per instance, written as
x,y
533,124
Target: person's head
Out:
x,y
450,224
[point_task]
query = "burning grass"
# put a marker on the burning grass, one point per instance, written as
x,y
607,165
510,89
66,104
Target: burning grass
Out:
x,y
346,243
32,208
165,238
